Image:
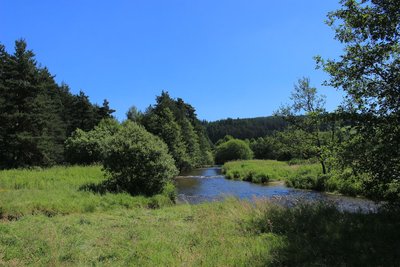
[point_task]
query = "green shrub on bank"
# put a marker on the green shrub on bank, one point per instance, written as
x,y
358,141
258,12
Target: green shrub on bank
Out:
x,y
233,149
345,182
87,147
307,177
311,177
137,161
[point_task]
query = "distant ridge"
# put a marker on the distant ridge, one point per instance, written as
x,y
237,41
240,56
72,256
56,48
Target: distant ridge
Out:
x,y
246,128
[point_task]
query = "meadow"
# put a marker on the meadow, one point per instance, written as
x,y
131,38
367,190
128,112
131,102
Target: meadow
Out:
x,y
48,218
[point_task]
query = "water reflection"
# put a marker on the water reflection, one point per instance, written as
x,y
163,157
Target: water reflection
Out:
x,y
208,184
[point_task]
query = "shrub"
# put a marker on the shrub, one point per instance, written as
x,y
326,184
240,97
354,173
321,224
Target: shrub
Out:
x,y
87,147
138,161
345,182
233,149
307,177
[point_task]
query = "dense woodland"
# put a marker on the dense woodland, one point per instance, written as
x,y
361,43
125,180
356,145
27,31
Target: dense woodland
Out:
x,y
44,124
244,128
37,114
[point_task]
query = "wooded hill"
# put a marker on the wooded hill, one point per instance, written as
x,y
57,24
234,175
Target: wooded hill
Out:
x,y
244,128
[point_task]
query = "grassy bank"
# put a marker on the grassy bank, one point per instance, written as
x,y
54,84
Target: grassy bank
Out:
x,y
261,171
47,220
303,175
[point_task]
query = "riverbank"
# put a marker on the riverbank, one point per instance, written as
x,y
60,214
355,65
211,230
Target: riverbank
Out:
x,y
48,220
301,176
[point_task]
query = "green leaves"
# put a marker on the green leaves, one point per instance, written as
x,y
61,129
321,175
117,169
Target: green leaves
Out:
x,y
232,149
138,161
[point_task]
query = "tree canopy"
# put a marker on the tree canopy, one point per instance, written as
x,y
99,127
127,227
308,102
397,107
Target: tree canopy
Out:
x,y
368,72
37,114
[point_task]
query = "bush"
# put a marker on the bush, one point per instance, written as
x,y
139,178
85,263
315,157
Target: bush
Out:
x,y
307,177
345,182
138,161
233,149
87,147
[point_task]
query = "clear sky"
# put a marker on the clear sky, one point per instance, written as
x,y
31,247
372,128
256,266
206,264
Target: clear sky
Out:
x,y
227,58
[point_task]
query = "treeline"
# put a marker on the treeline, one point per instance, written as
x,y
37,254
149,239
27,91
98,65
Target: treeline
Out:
x,y
43,123
244,128
37,114
176,123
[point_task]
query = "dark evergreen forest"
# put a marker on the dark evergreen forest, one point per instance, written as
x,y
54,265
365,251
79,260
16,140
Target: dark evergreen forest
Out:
x,y
244,128
36,113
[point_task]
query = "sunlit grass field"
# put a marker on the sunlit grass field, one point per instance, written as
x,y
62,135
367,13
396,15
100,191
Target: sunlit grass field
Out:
x,y
47,220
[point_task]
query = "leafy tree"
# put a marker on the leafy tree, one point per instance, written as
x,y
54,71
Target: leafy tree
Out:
x,y
263,148
233,149
224,140
137,161
368,72
88,147
305,115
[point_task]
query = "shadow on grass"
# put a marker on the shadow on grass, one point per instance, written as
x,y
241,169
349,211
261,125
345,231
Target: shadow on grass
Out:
x,y
320,235
107,186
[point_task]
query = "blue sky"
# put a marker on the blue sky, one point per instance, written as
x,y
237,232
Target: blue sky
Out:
x,y
227,58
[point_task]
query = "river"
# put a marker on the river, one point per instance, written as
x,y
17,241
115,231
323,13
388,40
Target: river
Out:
x,y
208,184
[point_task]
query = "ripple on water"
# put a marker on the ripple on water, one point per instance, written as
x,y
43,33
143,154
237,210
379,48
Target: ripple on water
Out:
x,y
207,184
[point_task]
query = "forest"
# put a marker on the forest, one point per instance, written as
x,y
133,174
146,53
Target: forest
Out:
x,y
80,187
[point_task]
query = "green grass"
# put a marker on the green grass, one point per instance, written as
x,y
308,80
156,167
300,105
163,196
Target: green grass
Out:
x,y
261,171
57,191
46,220
296,173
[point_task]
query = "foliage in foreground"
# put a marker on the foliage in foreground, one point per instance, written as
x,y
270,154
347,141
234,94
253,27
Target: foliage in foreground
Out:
x,y
368,71
320,235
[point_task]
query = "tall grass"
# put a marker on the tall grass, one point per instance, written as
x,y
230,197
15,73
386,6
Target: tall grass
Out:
x,y
295,173
58,190
47,220
261,171
320,235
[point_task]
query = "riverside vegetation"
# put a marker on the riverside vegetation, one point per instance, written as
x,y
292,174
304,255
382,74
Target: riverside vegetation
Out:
x,y
78,187
49,217
296,173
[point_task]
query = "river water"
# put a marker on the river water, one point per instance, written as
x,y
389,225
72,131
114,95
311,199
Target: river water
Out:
x,y
208,184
